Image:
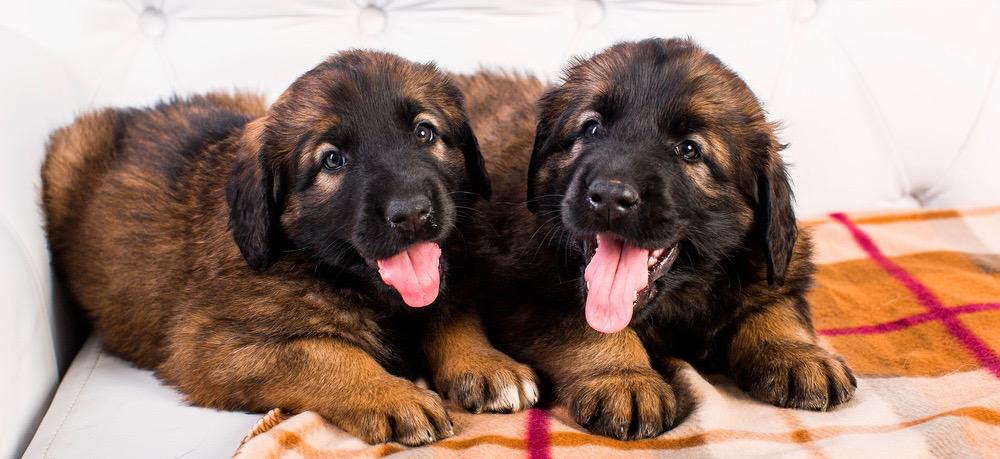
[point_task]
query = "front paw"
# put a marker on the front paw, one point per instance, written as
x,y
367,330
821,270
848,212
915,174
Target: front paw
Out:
x,y
627,404
797,375
401,412
488,381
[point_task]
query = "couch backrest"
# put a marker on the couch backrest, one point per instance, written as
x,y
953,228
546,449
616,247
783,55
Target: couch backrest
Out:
x,y
887,104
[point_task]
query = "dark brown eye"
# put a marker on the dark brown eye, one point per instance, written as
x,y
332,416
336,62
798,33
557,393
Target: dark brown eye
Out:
x,y
592,128
424,132
689,150
333,160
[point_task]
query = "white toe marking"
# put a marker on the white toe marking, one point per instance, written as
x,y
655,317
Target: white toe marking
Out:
x,y
509,399
530,392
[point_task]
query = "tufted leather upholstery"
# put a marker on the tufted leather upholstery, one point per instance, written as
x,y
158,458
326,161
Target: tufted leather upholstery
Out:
x,y
887,104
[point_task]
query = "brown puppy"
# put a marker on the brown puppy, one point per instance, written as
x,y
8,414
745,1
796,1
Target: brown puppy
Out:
x,y
282,257
657,188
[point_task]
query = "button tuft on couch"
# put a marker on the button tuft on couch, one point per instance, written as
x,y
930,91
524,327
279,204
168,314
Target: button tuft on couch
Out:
x,y
371,20
152,22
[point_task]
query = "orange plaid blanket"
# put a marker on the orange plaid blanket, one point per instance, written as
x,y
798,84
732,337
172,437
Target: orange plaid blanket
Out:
x,y
911,300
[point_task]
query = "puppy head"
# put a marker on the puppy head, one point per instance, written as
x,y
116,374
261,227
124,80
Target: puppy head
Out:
x,y
655,152
360,164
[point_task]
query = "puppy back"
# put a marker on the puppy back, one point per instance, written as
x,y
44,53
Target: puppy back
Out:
x,y
77,156
501,110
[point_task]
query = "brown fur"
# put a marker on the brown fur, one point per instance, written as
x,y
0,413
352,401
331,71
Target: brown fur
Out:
x,y
142,231
468,370
603,378
734,301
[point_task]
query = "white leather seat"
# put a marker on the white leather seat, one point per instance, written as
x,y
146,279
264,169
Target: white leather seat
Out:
x,y
886,104
107,408
35,97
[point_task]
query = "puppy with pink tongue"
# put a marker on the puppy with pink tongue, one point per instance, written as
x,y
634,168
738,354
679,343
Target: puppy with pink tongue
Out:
x,y
615,276
414,273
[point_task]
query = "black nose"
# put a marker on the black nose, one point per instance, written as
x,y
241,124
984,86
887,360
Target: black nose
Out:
x,y
408,213
612,197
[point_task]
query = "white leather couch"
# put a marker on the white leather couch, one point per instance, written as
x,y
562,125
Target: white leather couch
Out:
x,y
887,105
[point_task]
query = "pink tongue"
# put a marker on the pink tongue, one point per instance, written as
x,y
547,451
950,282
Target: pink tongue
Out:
x,y
414,273
614,277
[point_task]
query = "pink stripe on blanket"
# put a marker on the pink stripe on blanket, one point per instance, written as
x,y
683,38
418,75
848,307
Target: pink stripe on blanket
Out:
x,y
970,340
538,434
910,321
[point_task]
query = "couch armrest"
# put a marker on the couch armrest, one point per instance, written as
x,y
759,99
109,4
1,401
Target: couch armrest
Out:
x,y
36,341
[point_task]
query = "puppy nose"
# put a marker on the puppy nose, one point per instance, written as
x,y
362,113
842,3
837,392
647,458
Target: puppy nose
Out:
x,y
408,213
612,196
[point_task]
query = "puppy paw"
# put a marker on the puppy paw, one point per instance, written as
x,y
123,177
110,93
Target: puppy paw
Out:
x,y
623,404
797,375
488,382
403,413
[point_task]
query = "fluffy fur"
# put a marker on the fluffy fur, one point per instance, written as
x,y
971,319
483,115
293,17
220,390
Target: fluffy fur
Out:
x,y
210,241
734,299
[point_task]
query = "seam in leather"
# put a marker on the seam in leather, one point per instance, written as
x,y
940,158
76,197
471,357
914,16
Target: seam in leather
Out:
x,y
992,86
132,56
876,110
779,75
26,253
129,6
44,315
72,405
175,77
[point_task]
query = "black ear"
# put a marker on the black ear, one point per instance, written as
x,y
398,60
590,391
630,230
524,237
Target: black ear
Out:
x,y
475,165
251,203
545,143
775,213
537,158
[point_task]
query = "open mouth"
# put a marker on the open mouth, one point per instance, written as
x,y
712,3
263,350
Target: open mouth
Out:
x,y
620,278
414,272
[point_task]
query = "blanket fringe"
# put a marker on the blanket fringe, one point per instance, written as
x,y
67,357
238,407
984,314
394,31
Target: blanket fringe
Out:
x,y
271,419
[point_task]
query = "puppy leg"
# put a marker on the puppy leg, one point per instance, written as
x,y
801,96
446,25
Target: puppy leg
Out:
x,y
330,376
467,369
774,357
605,380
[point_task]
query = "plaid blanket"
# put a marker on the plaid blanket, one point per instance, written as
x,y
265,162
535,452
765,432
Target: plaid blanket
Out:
x,y
911,300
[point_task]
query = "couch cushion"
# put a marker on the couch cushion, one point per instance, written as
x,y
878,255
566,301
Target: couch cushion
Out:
x,y
107,408
34,99
885,106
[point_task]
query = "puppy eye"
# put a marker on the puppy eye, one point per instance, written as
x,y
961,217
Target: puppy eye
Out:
x,y
591,128
333,160
689,150
424,132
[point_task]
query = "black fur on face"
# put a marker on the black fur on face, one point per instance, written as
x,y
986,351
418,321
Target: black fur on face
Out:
x,y
659,144
360,158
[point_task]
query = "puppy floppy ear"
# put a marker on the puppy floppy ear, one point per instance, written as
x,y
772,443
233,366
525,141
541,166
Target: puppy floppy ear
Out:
x,y
249,194
546,140
774,211
537,158
475,165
